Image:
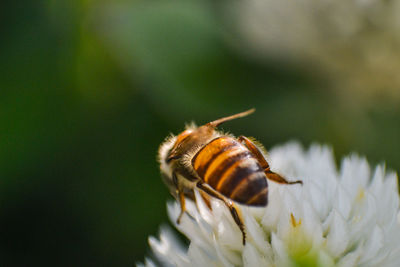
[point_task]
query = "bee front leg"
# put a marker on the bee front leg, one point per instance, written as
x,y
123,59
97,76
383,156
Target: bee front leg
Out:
x,y
263,162
183,206
232,208
181,197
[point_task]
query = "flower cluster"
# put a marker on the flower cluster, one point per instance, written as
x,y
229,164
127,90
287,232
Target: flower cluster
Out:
x,y
353,43
348,217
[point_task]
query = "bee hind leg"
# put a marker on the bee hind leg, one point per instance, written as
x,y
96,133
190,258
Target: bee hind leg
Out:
x,y
279,179
263,162
232,208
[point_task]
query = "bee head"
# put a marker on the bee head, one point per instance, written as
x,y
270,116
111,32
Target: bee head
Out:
x,y
193,138
182,141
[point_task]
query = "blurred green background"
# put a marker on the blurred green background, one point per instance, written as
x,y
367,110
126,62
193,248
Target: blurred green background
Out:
x,y
88,91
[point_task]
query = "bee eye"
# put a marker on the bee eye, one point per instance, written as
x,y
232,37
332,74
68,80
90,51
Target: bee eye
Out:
x,y
169,156
168,159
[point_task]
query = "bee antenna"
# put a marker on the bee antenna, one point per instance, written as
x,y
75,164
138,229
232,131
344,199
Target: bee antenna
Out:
x,y
216,123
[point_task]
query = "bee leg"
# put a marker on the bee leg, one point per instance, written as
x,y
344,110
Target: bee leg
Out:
x,y
183,206
255,150
232,208
206,198
279,179
181,197
264,164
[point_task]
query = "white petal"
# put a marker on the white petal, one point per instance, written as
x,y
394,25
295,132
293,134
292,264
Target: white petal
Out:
x,y
355,174
291,202
168,249
342,202
197,231
311,224
200,257
148,263
284,226
324,259
393,258
255,233
226,230
351,259
228,235
364,218
252,258
388,203
272,211
377,182
373,245
398,217
288,160
281,257
321,160
226,257
317,198
204,210
337,239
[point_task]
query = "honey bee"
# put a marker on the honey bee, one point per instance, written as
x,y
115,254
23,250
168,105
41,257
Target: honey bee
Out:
x,y
220,165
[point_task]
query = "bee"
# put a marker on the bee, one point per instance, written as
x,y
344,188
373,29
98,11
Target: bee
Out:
x,y
218,164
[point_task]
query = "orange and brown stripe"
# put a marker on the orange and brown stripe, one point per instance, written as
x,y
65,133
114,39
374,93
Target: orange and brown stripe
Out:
x,y
231,169
202,160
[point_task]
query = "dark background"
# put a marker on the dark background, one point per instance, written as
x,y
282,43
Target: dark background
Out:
x,y
89,90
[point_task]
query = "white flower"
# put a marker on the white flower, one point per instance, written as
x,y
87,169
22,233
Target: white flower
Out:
x,y
354,43
348,217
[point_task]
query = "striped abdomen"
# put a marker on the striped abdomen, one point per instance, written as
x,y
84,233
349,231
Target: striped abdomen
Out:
x,y
231,169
